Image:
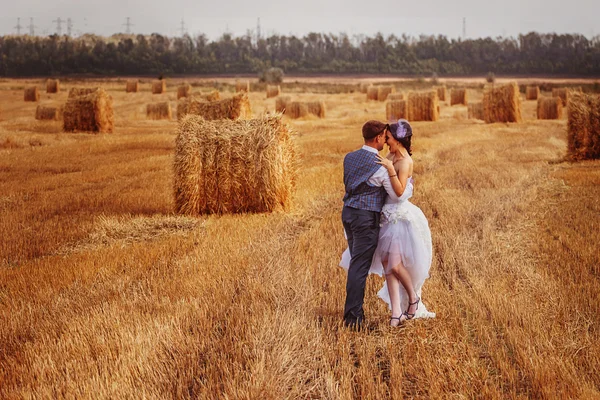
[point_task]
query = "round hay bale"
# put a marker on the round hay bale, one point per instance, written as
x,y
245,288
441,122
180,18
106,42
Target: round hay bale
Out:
x,y
442,93
372,92
231,166
532,92
458,96
211,96
583,127
297,109
281,103
475,111
502,103
423,106
236,107
32,94
184,90
396,109
52,86
159,110
396,96
242,86
133,86
76,92
159,87
549,108
48,113
92,112
364,87
384,91
316,108
273,91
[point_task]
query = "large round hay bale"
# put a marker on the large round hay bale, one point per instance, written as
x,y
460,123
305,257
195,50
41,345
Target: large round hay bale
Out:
x,y
442,93
532,92
242,86
364,87
564,94
475,111
76,92
273,91
184,90
583,133
423,106
549,108
48,113
52,86
92,112
384,91
316,108
159,86
458,96
502,103
396,96
231,166
281,103
396,109
297,109
236,107
31,94
372,92
160,110
132,86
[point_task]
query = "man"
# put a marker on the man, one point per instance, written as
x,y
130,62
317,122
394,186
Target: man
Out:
x,y
367,182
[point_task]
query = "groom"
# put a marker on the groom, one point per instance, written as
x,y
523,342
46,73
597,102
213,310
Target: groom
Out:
x,y
366,184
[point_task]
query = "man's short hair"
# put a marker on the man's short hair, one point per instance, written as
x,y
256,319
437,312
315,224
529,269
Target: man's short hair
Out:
x,y
373,128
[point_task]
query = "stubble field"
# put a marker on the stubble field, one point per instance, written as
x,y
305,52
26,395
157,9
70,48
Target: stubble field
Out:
x,y
106,293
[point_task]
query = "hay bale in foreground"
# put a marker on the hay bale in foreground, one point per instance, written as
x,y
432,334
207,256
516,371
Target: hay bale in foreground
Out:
x,y
316,108
31,94
242,86
233,166
502,103
76,92
532,92
442,93
396,109
52,86
583,133
133,86
372,92
159,110
235,107
423,106
273,91
384,91
48,113
159,87
92,112
184,90
549,108
458,96
397,96
281,103
475,111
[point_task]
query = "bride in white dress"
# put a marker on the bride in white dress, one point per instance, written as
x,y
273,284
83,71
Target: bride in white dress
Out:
x,y
404,248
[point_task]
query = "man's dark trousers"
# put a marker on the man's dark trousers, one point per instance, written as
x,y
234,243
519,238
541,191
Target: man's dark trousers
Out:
x,y
362,230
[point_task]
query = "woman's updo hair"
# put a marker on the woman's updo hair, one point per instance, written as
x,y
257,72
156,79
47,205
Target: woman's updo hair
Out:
x,y
402,132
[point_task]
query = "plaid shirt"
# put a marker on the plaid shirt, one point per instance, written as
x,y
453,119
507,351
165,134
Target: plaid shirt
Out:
x,y
359,166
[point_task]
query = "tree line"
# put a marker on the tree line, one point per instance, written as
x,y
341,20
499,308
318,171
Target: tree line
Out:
x,y
532,53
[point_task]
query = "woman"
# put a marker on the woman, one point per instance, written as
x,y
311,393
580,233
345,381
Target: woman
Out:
x,y
404,246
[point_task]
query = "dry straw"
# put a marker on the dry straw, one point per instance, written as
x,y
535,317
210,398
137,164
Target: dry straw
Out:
x,y
475,111
297,109
372,92
396,109
210,96
458,96
133,86
76,92
281,103
442,93
159,110
364,87
52,86
48,113
159,86
273,91
396,96
242,86
565,94
235,107
233,166
549,108
384,91
583,134
532,92
184,90
316,108
32,94
423,106
92,112
502,103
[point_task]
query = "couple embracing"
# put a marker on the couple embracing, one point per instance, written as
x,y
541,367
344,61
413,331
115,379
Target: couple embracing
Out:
x,y
386,233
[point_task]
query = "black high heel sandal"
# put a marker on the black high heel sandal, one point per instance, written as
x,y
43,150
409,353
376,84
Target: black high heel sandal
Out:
x,y
399,321
412,315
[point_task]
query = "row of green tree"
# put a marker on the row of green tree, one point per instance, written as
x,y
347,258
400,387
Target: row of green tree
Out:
x,y
533,53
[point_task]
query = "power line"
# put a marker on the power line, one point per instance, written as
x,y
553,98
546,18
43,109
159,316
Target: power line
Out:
x,y
464,28
182,29
18,27
258,30
128,25
31,27
69,26
58,26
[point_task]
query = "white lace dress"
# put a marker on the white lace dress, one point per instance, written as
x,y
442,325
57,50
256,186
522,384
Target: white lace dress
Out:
x,y
404,236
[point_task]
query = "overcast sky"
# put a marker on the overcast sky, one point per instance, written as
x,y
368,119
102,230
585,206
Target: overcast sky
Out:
x,y
483,18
